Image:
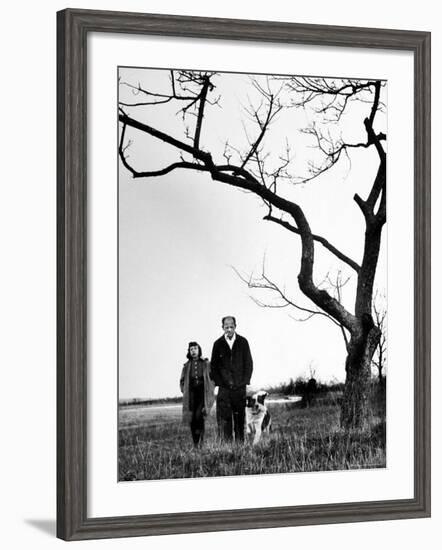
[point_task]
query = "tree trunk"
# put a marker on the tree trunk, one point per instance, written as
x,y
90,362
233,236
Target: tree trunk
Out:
x,y
355,408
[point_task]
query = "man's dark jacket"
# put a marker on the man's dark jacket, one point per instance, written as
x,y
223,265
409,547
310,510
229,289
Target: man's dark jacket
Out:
x,y
231,368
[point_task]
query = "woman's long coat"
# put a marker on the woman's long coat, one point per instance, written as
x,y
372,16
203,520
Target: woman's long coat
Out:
x,y
209,388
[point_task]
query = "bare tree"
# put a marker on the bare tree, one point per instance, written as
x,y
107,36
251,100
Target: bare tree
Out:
x,y
251,170
380,355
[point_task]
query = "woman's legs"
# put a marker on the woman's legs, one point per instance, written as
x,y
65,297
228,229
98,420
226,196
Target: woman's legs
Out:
x,y
197,422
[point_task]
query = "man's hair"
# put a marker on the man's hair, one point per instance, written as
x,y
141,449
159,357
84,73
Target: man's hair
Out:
x,y
192,344
228,317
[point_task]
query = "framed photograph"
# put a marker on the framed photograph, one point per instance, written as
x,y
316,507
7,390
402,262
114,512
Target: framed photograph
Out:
x,y
243,314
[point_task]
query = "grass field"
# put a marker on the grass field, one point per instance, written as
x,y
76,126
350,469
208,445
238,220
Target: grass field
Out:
x,y
154,444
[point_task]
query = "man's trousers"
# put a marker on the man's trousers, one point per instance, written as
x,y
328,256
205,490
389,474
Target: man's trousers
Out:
x,y
230,413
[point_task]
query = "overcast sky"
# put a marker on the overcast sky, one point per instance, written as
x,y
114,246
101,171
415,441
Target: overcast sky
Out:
x,y
180,235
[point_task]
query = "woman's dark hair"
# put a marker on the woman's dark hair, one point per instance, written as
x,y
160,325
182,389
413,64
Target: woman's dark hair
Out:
x,y
200,351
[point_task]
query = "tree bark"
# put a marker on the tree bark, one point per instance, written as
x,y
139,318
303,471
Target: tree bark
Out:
x,y
355,408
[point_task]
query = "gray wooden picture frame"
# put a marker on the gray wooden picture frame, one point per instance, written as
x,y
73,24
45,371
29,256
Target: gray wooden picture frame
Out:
x,y
73,27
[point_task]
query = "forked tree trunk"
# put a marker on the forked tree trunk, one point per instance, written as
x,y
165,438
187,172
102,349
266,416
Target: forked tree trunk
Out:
x,y
355,408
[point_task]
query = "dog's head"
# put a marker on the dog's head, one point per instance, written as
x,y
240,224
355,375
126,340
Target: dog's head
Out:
x,y
250,401
256,401
261,396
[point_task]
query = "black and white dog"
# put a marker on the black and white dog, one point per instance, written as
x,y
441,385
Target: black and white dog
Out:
x,y
257,415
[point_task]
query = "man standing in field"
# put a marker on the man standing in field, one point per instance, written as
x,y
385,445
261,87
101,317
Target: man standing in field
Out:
x,y
231,370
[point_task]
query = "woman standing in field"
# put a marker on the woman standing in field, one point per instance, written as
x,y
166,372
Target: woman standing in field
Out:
x,y
198,391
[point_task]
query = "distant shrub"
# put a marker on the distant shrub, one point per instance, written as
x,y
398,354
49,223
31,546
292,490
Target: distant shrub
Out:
x,y
299,387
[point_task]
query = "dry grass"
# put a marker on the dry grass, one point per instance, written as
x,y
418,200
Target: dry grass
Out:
x,y
302,440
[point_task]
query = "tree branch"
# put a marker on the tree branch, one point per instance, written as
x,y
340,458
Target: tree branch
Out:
x,y
264,283
243,179
325,243
263,127
203,97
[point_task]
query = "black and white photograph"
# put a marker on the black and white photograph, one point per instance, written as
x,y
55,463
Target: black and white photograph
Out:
x,y
252,273
217,327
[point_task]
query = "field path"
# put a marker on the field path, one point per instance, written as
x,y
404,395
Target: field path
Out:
x,y
136,415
